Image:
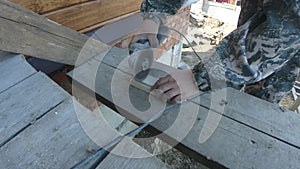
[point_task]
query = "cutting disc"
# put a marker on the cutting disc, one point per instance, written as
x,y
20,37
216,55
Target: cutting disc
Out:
x,y
140,62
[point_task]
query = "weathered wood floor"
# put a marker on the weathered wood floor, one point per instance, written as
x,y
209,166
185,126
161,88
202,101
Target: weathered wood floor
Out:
x,y
39,126
245,132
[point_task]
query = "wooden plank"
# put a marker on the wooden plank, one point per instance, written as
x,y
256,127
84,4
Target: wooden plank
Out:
x,y
232,144
22,31
258,114
46,6
13,69
2,53
134,156
85,15
108,22
118,28
55,141
264,117
22,104
113,81
59,140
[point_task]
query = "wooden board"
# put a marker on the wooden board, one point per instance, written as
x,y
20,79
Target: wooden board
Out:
x,y
2,53
24,103
113,32
46,5
263,117
233,144
41,126
55,141
13,69
22,31
109,22
88,14
258,114
58,140
114,161
56,9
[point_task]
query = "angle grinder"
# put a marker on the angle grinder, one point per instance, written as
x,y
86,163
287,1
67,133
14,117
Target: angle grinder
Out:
x,y
142,55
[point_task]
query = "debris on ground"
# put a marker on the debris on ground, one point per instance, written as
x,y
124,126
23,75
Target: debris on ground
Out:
x,y
170,156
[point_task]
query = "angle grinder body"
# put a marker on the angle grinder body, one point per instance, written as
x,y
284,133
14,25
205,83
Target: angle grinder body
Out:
x,y
141,55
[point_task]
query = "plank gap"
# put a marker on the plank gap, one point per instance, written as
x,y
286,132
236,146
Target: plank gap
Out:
x,y
18,82
30,124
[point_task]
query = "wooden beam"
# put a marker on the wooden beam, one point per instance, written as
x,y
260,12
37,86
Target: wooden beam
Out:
x,y
265,117
39,126
88,14
26,102
22,31
245,137
96,14
232,145
58,140
94,27
45,6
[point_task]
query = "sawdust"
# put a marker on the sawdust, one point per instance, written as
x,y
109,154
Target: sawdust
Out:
x,y
170,156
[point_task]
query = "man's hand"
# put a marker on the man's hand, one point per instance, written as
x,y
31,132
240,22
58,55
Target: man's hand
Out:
x,y
148,30
178,86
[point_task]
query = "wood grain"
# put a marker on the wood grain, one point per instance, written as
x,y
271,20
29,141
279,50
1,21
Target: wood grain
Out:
x,y
41,126
233,144
115,160
258,114
13,69
58,140
44,6
22,31
263,117
86,15
55,141
25,102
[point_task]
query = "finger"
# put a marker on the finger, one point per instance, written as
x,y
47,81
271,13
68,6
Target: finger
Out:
x,y
176,99
126,42
154,43
161,81
172,93
168,86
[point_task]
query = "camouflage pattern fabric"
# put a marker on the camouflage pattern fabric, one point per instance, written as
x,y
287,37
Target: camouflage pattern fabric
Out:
x,y
162,6
158,9
261,57
249,8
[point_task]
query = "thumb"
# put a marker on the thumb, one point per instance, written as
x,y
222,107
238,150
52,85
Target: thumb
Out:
x,y
127,42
